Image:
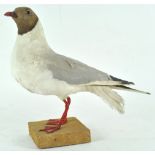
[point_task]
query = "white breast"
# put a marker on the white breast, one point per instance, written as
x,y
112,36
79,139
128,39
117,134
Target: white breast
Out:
x,y
29,68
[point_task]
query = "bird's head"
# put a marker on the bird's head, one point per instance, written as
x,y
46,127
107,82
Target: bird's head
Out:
x,y
25,19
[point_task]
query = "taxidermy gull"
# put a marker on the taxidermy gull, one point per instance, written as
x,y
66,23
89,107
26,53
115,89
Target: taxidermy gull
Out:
x,y
41,70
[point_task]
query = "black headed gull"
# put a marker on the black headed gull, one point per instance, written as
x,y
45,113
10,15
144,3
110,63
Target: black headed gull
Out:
x,y
40,70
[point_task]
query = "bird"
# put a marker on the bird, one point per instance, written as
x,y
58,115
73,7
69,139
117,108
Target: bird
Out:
x,y
41,70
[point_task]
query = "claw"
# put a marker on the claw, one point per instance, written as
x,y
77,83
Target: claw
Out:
x,y
49,129
56,122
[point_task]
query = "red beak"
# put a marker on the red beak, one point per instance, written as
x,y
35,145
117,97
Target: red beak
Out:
x,y
10,14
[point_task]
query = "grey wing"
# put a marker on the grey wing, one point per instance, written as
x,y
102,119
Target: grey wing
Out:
x,y
75,72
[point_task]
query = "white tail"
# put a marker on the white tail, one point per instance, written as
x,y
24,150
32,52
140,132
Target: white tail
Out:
x,y
110,96
104,89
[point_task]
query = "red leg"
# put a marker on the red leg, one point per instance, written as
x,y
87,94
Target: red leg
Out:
x,y
64,116
58,122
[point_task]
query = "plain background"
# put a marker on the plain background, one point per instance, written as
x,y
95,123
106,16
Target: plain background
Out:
x,y
117,39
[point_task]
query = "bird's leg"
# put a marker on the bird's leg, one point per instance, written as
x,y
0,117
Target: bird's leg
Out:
x,y
58,122
63,119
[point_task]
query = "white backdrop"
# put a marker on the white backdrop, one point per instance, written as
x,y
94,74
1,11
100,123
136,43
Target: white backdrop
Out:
x,y
118,39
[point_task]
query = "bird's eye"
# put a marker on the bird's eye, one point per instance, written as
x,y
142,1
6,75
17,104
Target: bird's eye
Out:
x,y
28,12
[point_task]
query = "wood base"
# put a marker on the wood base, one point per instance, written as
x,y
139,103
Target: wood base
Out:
x,y
73,132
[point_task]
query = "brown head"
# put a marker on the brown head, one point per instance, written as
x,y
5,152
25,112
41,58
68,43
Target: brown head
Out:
x,y
24,18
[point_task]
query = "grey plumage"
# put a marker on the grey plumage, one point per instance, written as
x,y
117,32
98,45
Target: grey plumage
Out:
x,y
75,72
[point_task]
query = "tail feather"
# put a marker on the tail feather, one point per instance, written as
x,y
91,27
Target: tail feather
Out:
x,y
110,96
104,89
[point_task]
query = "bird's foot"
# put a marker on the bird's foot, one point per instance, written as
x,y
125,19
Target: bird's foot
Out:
x,y
54,125
56,121
50,129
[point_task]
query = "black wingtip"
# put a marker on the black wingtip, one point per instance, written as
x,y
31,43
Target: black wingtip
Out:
x,y
123,81
148,93
132,83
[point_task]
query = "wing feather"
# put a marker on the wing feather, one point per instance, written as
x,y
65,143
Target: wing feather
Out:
x,y
76,72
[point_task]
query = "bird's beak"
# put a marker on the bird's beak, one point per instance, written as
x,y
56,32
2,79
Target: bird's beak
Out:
x,y
11,14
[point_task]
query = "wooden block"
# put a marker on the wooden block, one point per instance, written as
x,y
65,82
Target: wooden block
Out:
x,y
73,132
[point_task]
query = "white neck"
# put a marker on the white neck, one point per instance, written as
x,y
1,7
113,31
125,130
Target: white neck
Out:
x,y
36,34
